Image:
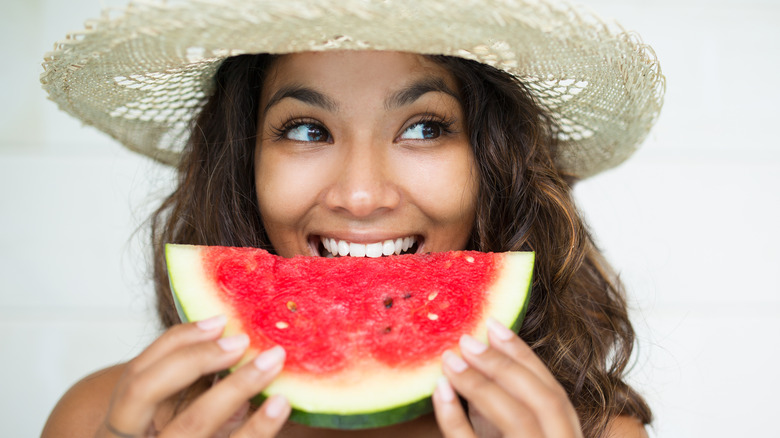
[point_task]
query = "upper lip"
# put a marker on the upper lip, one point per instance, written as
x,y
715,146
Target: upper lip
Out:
x,y
364,238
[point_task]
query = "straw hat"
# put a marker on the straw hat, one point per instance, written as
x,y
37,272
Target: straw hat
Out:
x,y
139,73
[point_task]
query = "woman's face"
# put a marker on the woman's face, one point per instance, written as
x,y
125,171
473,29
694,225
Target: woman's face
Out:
x,y
363,154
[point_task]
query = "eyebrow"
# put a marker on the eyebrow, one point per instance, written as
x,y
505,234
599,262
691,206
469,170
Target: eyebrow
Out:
x,y
305,95
402,97
414,91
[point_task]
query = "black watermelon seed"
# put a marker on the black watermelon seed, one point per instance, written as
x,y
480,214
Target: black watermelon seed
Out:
x,y
407,295
388,329
388,303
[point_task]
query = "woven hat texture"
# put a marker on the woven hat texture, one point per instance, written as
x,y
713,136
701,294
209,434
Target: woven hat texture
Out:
x,y
140,73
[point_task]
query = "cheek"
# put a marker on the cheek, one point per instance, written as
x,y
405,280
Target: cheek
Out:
x,y
285,188
446,188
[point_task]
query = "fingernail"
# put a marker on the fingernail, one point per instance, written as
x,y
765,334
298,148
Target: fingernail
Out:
x,y
270,359
454,362
499,330
472,345
232,343
444,390
212,323
275,406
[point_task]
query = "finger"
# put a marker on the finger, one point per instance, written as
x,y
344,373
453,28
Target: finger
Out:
x,y
482,427
268,420
551,407
512,345
178,336
234,422
140,391
453,422
211,410
510,415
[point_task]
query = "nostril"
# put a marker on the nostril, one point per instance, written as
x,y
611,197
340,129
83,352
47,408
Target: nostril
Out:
x,y
363,193
364,203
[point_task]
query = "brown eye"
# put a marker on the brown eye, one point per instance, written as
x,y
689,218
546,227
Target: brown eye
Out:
x,y
422,131
308,132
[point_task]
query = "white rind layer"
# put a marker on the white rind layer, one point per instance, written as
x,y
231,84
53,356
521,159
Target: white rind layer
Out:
x,y
379,387
199,300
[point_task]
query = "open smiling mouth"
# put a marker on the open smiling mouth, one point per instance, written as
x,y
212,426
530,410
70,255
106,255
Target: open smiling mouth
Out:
x,y
330,247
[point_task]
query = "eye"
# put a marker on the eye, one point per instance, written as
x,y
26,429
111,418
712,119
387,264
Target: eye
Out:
x,y
307,132
422,131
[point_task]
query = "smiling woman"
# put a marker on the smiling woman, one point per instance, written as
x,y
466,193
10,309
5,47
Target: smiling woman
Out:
x,y
340,165
376,145
365,146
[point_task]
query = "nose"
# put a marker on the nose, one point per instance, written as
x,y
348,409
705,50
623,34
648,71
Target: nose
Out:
x,y
364,185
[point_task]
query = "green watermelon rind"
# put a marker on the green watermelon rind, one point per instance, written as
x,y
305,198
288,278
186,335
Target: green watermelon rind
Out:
x,y
361,420
356,415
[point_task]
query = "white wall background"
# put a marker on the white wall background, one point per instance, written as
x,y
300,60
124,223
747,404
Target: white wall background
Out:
x,y
691,222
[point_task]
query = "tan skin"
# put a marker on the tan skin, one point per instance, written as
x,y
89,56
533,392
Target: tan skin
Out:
x,y
374,158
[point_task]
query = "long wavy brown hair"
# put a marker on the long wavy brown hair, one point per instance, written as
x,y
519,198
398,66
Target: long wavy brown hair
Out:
x,y
577,320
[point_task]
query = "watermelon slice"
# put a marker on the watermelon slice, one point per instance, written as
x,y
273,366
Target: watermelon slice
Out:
x,y
363,336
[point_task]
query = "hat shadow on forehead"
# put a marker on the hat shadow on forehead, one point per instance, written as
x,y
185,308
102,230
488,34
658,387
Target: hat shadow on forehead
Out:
x,y
141,74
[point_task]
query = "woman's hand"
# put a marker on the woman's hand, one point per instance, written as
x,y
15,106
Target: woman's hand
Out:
x,y
509,387
175,361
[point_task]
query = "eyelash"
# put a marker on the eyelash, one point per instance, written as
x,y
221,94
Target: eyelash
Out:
x,y
280,133
444,124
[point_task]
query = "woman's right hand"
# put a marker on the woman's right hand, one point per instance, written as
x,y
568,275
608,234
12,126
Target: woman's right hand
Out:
x,y
175,361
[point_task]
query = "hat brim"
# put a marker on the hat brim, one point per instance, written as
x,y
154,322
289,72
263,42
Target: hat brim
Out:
x,y
140,75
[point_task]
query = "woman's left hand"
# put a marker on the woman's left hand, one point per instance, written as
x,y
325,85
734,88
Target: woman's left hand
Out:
x,y
511,389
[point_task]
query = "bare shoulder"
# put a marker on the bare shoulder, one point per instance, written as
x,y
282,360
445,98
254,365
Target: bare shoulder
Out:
x,y
626,427
81,410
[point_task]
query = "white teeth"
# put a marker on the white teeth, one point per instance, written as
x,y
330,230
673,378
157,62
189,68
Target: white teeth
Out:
x,y
357,250
378,249
388,247
343,248
374,250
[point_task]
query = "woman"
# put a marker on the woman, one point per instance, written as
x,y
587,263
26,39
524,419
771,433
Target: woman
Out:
x,y
363,147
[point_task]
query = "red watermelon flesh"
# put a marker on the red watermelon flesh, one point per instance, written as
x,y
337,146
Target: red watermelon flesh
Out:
x,y
327,311
363,336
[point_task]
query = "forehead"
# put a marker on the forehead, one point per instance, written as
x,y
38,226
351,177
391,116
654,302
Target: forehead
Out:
x,y
380,72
